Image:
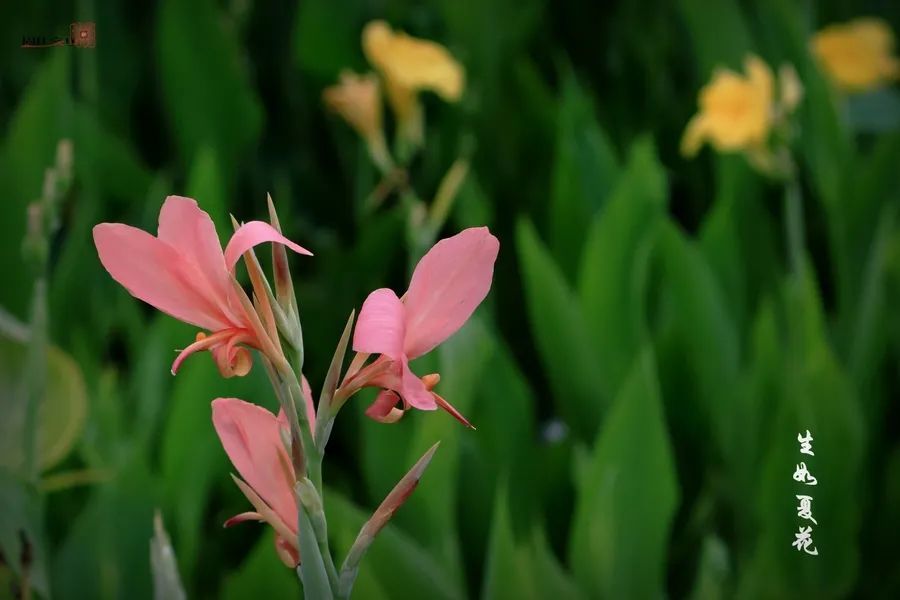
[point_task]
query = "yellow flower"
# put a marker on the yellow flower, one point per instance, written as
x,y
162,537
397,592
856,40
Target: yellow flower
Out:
x,y
410,65
857,55
736,111
357,99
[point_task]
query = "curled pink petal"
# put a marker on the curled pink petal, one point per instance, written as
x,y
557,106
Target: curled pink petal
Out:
x,y
384,408
249,434
241,518
253,234
380,326
203,342
447,286
152,271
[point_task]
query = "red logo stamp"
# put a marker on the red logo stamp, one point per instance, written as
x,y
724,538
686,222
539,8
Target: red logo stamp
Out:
x,y
83,35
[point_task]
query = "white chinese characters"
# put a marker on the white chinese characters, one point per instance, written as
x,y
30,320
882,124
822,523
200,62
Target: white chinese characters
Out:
x,y
803,475
803,541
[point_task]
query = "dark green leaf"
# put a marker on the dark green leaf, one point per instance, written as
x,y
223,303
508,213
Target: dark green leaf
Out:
x,y
561,333
627,497
613,276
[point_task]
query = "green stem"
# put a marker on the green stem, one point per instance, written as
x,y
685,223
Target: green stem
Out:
x,y
793,222
36,376
312,501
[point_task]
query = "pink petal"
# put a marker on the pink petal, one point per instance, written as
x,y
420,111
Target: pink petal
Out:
x,y
192,233
414,391
447,285
152,271
249,434
383,409
241,518
380,328
310,405
253,234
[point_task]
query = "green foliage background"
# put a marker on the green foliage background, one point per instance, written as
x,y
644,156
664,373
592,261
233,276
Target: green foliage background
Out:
x,y
638,375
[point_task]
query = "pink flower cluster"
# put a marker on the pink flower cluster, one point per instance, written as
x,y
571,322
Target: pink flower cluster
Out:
x,y
184,272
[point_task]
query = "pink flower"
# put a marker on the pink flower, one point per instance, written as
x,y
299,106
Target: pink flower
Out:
x,y
184,273
447,285
254,440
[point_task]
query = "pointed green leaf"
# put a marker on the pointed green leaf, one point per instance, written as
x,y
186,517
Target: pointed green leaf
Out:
x,y
816,395
205,89
402,568
626,501
560,332
584,172
613,276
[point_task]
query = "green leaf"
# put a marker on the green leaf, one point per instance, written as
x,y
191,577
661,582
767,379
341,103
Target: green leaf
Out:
x,y
61,415
703,326
400,566
626,501
106,552
517,569
261,574
192,458
41,119
816,395
560,331
825,144
738,240
713,571
327,37
166,579
205,89
430,514
718,33
613,277
312,567
207,186
584,172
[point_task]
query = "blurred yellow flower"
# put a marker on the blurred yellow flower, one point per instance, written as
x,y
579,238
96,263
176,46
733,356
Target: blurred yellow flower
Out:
x,y
410,65
735,110
857,55
741,113
357,99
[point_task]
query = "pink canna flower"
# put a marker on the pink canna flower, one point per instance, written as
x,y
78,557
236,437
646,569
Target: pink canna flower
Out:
x,y
447,286
254,440
184,273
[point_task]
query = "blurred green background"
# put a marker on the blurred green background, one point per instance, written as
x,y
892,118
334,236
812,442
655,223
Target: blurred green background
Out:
x,y
638,375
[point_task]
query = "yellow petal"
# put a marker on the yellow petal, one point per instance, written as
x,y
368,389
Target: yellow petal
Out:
x,y
357,99
694,136
857,55
760,77
413,63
